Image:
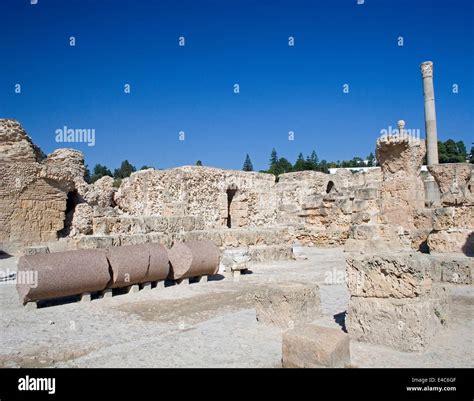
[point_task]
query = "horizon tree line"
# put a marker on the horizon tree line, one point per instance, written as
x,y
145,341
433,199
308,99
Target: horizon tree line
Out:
x,y
449,151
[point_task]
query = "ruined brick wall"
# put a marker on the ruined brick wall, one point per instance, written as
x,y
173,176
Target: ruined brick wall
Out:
x,y
322,208
380,209
453,220
33,193
201,192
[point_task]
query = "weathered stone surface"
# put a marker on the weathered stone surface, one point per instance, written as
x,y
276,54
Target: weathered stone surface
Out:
x,y
235,259
384,207
453,240
452,268
286,305
262,253
193,258
311,346
454,181
33,191
201,191
406,324
34,250
389,275
45,276
82,217
101,193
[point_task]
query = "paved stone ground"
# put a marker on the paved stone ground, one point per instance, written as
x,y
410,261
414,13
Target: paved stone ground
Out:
x,y
203,325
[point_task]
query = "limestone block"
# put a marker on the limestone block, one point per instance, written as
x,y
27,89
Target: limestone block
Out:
x,y
101,193
359,218
364,231
263,253
367,193
60,274
452,241
385,275
133,239
82,219
453,181
94,242
452,268
443,218
423,218
235,259
33,250
311,346
288,304
407,324
354,245
359,205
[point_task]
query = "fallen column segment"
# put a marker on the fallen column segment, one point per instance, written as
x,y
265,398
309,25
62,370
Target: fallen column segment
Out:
x,y
61,274
129,264
193,258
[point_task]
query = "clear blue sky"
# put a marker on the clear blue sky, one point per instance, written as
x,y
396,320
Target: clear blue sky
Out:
x,y
190,88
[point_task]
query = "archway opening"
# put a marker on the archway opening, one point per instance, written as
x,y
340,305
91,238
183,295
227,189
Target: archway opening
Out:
x,y
231,191
71,202
329,187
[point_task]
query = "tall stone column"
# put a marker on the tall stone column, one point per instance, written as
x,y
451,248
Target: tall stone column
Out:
x,y
430,113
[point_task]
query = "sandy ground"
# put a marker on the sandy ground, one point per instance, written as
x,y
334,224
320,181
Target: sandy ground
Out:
x,y
204,325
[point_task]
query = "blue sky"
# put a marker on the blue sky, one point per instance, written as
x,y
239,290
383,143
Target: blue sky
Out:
x,y
190,88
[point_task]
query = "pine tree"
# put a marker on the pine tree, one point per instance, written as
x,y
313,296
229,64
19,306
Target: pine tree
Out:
x,y
199,163
87,174
248,166
300,163
273,158
125,170
99,172
314,159
371,160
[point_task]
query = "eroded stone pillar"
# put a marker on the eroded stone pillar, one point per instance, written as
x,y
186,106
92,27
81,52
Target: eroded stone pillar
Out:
x,y
430,113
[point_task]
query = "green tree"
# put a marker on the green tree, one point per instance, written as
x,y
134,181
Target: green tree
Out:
x,y
314,159
451,152
281,166
125,170
471,159
99,172
324,166
145,167
248,166
462,150
371,160
87,174
199,163
300,164
273,157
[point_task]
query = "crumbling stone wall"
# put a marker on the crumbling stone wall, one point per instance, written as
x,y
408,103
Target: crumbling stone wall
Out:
x,y
453,222
201,192
384,208
33,192
323,207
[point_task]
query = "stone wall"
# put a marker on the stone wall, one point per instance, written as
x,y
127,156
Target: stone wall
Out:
x,y
214,195
453,222
33,192
384,208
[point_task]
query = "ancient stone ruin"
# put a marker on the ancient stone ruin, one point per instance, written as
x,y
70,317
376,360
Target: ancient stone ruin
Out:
x,y
406,232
